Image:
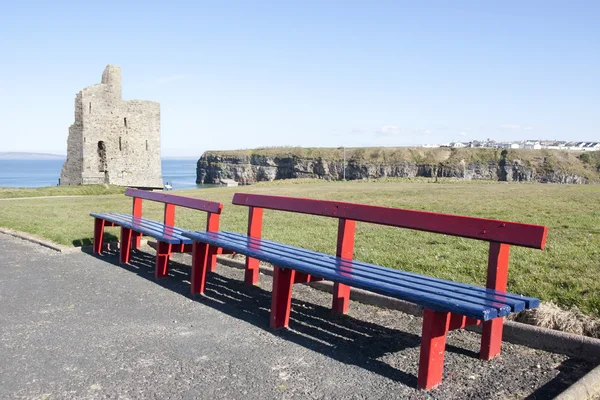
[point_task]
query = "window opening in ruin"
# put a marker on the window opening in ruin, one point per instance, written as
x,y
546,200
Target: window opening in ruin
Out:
x,y
125,122
90,107
101,157
146,145
120,148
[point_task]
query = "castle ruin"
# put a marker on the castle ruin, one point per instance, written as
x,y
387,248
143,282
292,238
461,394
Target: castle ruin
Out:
x,y
113,141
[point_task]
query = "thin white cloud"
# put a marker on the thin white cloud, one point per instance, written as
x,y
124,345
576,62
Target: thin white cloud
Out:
x,y
388,130
517,127
462,133
359,131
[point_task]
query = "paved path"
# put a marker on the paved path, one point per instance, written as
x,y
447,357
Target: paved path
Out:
x,y
77,326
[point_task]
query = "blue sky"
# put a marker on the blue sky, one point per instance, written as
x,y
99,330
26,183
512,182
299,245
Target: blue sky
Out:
x,y
246,74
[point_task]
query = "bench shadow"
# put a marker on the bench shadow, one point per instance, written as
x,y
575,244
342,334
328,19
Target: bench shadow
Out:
x,y
108,237
341,337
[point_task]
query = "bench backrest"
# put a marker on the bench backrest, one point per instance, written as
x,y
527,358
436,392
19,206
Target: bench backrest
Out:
x,y
469,227
213,208
500,234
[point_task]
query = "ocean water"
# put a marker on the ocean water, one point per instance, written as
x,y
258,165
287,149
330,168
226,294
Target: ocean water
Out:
x,y
181,174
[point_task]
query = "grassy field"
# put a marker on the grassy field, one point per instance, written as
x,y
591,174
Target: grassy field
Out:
x,y
87,190
566,272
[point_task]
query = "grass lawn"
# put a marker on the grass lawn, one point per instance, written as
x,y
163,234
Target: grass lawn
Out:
x,y
87,190
567,272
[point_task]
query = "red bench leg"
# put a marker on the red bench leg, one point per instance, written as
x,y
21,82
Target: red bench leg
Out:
x,y
98,235
163,252
252,270
212,258
137,240
433,346
491,338
281,298
341,298
125,244
199,267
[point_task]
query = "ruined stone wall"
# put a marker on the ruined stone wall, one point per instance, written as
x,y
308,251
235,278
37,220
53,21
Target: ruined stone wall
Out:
x,y
113,141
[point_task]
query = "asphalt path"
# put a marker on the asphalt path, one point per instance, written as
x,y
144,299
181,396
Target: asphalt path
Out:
x,y
76,326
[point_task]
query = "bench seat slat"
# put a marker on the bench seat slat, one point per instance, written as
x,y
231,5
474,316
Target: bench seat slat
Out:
x,y
147,223
471,290
393,277
157,230
479,309
504,308
435,302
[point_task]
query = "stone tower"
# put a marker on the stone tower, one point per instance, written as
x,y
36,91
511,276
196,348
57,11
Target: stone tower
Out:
x,y
113,141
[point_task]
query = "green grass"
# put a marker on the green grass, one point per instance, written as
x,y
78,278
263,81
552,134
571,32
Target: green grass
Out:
x,y
566,272
85,190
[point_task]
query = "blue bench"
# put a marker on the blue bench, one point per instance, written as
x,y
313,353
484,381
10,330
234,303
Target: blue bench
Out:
x,y
169,238
447,305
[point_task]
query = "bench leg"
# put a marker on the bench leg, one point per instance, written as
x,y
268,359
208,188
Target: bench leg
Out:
x,y
491,338
98,235
433,346
125,245
212,258
341,298
252,270
281,297
137,240
163,252
199,267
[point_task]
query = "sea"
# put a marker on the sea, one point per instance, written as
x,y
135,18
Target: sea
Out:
x,y
180,174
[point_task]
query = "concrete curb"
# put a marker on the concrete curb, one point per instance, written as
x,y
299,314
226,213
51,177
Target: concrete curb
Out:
x,y
586,388
59,247
31,238
576,346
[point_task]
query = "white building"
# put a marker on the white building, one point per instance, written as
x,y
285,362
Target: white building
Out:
x,y
508,145
532,145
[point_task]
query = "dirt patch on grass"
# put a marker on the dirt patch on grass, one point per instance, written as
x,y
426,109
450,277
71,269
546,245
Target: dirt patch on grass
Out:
x,y
550,316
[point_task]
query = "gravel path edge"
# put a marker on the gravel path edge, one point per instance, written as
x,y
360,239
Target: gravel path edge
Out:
x,y
586,388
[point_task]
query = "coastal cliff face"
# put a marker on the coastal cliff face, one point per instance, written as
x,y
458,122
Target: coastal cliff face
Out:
x,y
551,166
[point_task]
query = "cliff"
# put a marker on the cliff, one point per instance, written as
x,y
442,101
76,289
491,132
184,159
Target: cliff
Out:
x,y
521,165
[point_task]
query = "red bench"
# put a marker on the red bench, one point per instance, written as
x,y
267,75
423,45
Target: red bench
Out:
x,y
447,305
169,238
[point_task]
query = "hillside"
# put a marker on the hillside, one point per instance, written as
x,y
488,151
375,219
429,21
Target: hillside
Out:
x,y
522,165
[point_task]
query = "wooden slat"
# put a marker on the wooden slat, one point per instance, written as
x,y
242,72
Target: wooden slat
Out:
x,y
530,302
389,275
415,281
479,309
514,233
155,229
188,202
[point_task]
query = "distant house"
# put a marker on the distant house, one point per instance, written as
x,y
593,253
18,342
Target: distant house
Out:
x,y
507,145
457,145
554,145
591,146
530,144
